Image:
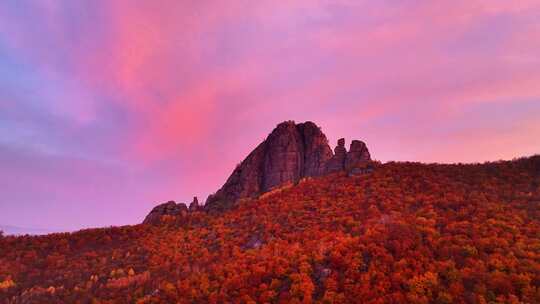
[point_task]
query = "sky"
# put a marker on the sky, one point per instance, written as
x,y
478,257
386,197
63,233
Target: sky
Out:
x,y
108,108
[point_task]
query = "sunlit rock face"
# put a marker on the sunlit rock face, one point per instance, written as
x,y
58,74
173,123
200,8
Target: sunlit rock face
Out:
x,y
291,152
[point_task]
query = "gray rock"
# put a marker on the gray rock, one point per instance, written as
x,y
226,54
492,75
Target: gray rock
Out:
x,y
358,158
254,242
168,208
291,152
317,152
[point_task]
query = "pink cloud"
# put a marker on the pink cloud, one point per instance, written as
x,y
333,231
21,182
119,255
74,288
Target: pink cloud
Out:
x,y
179,92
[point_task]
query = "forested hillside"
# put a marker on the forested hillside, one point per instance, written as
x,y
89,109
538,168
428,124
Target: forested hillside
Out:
x,y
405,232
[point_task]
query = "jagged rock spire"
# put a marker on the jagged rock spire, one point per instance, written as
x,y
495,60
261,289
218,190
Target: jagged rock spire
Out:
x,y
194,206
291,152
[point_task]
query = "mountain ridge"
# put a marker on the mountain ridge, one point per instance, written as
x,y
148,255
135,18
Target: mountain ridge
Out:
x,y
289,153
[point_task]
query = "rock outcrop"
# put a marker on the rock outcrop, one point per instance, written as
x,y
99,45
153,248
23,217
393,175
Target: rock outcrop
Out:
x,y
169,208
337,162
316,149
173,209
291,152
194,206
358,158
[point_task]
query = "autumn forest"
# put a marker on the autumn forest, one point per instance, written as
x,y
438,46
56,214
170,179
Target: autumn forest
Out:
x,y
403,233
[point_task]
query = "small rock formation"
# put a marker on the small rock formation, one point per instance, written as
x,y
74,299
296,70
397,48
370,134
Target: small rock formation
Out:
x,y
337,162
358,158
169,208
194,206
291,152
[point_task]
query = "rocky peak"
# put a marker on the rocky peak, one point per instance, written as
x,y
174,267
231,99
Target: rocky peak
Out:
x,y
291,152
283,158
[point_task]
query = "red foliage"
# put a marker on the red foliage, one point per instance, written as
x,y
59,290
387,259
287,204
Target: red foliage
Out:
x,y
407,232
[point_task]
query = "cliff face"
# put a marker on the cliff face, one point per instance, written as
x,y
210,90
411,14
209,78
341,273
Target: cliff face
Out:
x,y
291,152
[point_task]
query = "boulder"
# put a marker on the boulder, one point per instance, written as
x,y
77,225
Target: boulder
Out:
x,y
358,158
169,208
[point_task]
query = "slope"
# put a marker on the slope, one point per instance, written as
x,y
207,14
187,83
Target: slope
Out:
x,y
407,232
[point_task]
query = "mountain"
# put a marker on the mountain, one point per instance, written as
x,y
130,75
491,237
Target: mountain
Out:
x,y
290,153
399,232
